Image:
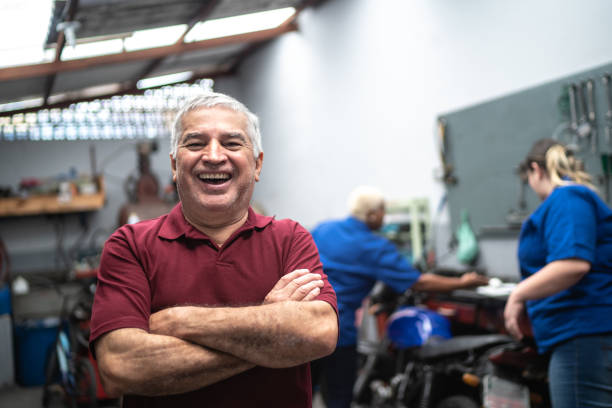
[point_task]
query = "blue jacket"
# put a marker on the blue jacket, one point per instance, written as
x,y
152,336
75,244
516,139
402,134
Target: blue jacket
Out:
x,y
572,222
354,258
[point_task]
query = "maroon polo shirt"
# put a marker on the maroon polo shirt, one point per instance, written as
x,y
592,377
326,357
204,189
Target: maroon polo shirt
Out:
x,y
154,264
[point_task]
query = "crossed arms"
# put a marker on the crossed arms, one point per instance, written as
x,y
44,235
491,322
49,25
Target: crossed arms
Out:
x,y
190,347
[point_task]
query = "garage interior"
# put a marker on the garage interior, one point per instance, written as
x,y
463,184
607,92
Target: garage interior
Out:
x,y
433,102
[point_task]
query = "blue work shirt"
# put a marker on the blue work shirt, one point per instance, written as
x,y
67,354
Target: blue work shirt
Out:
x,y
354,258
571,223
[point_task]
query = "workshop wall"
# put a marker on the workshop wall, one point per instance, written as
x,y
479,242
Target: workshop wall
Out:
x,y
32,240
485,143
353,96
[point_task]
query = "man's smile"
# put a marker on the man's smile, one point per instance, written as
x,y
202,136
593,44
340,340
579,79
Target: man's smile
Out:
x,y
215,178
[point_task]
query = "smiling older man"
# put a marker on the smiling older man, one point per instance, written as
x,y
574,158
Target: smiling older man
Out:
x,y
212,304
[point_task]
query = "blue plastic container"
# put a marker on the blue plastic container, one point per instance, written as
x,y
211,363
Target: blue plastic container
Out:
x,y
34,340
414,326
5,300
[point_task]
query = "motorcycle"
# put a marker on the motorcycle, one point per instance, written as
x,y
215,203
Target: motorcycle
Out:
x,y
409,358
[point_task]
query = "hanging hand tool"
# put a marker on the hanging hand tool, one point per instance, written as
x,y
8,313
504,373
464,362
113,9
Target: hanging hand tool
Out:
x,y
584,129
606,157
590,104
447,168
571,90
606,81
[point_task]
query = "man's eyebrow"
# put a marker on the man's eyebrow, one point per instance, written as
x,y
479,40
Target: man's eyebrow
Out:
x,y
189,136
236,135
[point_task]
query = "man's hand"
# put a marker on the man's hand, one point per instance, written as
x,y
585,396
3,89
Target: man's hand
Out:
x,y
512,313
299,285
472,279
167,321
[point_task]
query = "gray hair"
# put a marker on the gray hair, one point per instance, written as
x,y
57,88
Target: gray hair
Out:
x,y
364,199
211,100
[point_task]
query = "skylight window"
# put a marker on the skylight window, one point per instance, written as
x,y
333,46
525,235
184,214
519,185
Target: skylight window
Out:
x,y
164,80
156,37
246,23
23,29
92,49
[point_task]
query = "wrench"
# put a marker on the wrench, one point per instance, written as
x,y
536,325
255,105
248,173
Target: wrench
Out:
x,y
590,88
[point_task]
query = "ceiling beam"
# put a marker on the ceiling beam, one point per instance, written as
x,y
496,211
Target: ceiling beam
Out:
x,y
202,14
29,71
69,12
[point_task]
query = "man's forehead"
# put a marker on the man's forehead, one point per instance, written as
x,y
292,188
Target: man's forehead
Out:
x,y
214,114
217,120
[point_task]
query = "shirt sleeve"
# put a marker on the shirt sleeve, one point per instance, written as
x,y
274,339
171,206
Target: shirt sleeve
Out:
x,y
304,254
393,268
570,228
123,294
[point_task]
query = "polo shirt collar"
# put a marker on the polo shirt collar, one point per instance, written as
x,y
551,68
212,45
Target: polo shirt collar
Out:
x,y
175,225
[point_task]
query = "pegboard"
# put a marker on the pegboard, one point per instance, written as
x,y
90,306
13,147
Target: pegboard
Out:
x,y
484,144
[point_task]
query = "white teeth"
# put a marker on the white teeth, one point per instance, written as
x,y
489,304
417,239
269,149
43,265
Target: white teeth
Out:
x,y
215,176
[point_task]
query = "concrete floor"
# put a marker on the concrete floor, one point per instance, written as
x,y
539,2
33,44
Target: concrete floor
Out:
x,y
31,397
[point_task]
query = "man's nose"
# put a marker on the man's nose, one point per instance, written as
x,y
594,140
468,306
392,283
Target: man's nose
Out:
x,y
214,152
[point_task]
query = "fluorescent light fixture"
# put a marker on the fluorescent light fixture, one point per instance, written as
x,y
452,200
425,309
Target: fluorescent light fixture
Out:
x,y
164,80
246,23
25,104
92,49
156,37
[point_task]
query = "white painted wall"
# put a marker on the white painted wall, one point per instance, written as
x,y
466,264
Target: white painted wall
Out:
x,y
352,97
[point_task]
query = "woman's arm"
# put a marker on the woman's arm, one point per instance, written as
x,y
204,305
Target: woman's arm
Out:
x,y
553,278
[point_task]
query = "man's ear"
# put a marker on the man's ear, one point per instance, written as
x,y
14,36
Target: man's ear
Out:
x,y
258,165
173,166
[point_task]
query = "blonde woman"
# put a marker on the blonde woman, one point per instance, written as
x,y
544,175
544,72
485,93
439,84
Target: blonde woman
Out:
x,y
565,256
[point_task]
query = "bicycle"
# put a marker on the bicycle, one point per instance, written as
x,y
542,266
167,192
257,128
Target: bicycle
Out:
x,y
70,377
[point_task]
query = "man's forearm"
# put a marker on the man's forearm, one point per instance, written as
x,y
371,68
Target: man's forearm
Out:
x,y
276,335
132,361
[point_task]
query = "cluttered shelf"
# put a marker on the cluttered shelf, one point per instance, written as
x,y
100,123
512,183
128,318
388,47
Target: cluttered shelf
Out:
x,y
70,200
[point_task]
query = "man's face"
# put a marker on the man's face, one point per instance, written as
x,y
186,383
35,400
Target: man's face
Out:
x,y
214,169
375,218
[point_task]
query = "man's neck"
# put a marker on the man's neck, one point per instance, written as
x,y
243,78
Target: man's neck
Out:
x,y
219,232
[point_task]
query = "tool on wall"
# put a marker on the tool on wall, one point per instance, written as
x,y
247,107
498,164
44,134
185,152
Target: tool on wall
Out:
x,y
572,106
590,105
580,129
608,130
606,156
584,128
447,169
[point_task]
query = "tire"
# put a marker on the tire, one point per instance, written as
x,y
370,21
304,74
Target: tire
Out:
x,y
86,386
457,401
51,377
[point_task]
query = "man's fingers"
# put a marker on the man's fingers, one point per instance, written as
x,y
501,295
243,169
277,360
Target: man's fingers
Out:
x,y
312,294
304,290
290,277
295,285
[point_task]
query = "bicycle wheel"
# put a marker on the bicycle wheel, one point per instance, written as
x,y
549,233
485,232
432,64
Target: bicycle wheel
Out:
x,y
84,394
51,376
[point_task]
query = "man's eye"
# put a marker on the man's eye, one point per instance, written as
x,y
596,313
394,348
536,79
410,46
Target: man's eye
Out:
x,y
233,145
194,146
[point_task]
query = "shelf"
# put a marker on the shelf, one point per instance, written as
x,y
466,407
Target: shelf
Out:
x,y
50,204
